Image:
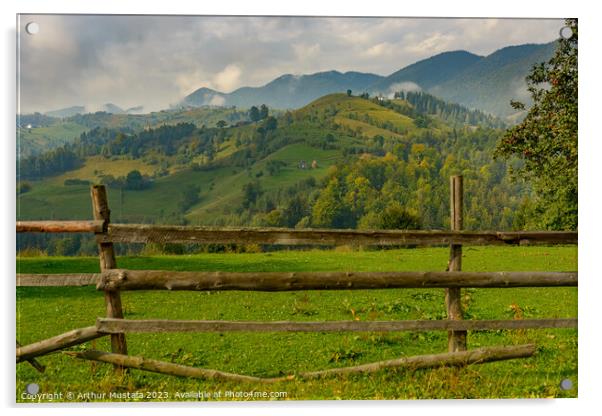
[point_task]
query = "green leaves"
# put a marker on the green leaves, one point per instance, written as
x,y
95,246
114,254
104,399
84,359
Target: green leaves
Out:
x,y
546,140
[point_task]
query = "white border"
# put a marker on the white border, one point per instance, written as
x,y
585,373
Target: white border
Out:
x,y
589,143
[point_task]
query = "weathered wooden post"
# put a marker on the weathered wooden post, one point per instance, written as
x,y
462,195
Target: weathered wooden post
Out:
x,y
456,340
106,252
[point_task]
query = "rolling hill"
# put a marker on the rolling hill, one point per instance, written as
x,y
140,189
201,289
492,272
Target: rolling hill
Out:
x,y
329,130
38,133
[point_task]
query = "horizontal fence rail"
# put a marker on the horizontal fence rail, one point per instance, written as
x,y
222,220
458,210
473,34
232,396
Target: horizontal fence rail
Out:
x,y
112,281
60,226
115,326
70,279
142,233
290,281
275,281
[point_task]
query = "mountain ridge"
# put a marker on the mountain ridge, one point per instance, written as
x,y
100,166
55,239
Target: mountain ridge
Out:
x,y
486,83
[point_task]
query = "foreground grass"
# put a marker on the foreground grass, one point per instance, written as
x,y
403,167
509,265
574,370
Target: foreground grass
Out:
x,y
44,312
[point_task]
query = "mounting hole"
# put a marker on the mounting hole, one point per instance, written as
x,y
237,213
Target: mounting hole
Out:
x,y
32,28
566,384
32,388
566,32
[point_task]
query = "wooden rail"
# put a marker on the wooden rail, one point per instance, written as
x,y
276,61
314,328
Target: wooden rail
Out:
x,y
462,358
70,279
60,226
281,281
289,281
142,233
34,363
59,342
112,281
113,326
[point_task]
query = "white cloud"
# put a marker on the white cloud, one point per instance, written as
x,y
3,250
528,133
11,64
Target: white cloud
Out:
x,y
228,79
381,49
156,60
433,43
403,86
217,100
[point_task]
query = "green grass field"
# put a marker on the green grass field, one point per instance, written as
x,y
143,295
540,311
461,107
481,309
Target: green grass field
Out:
x,y
40,139
45,312
222,187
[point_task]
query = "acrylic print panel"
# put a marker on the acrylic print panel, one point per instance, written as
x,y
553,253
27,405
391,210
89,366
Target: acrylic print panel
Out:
x,y
261,208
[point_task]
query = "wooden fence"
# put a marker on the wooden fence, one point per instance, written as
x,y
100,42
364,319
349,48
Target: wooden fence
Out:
x,y
111,281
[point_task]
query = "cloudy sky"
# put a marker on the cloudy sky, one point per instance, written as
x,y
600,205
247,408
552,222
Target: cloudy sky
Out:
x,y
155,61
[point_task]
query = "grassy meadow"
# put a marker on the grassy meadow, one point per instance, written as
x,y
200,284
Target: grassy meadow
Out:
x,y
45,312
50,198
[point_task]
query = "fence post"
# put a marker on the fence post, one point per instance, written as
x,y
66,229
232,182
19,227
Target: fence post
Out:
x,y
106,252
456,340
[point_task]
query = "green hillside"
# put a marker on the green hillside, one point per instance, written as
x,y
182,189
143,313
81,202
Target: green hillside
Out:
x,y
220,186
38,139
341,161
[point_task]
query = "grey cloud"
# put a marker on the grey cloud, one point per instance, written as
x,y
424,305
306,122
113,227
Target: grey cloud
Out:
x,y
155,60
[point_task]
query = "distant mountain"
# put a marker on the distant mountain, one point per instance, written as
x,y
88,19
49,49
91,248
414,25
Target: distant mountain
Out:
x,y
66,112
115,109
205,96
486,83
491,82
286,91
112,108
427,73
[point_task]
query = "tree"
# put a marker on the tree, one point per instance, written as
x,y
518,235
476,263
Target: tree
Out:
x,y
274,166
254,114
221,124
329,209
546,140
251,191
349,93
395,217
134,181
270,123
263,112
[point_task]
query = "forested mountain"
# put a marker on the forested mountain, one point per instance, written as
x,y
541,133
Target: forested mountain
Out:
x,y
427,73
66,112
341,161
490,83
115,109
484,83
